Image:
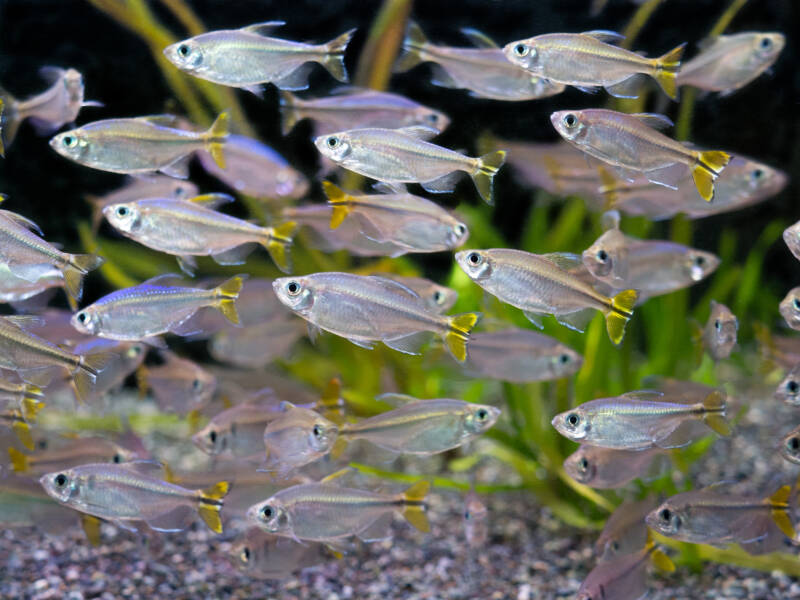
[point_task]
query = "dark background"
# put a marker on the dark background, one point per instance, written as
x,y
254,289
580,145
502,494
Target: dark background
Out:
x,y
761,121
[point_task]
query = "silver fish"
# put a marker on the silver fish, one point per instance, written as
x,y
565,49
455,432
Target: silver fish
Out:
x,y
263,556
316,219
240,429
295,438
325,512
154,307
625,531
70,452
719,335
134,492
141,145
520,356
742,183
482,70
788,389
641,420
357,108
652,267
608,468
541,283
631,144
29,257
255,346
189,228
256,170
587,60
791,236
178,385
49,110
727,63
405,156
790,308
398,218
29,355
368,309
715,515
246,57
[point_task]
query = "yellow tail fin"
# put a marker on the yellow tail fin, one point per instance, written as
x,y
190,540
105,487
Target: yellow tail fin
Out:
x,y
667,67
714,405
661,561
30,408
708,166
414,511
339,201
226,294
483,176
413,44
458,332
216,136
779,501
84,377
78,266
211,504
619,314
278,243
19,461
23,431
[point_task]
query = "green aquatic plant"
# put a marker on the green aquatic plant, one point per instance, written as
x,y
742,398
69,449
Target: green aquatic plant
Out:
x,y
659,339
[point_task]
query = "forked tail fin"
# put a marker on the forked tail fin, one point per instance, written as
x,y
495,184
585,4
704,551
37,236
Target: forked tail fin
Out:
x,y
210,504
483,176
226,294
458,332
667,68
339,200
415,506
89,367
278,243
779,509
714,406
413,45
708,166
74,271
333,60
619,314
216,136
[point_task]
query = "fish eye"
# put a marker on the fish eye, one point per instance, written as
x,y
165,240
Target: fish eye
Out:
x,y
69,141
292,288
521,50
82,317
332,141
134,351
796,303
123,211
573,419
438,297
482,414
197,385
317,431
602,255
184,50
570,120
757,174
793,443
792,386
433,118
245,554
765,43
460,229
474,258
699,260
584,464
718,325
117,458
665,515
563,359
212,435
60,480
267,512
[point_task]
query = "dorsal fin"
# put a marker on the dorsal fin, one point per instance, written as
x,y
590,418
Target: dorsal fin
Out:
x,y
163,120
396,399
23,221
395,286
212,200
478,38
25,321
605,35
419,131
564,260
263,28
654,120
165,279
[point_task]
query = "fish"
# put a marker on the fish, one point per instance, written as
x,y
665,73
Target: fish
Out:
x,y
24,396
15,290
71,451
239,430
130,492
325,512
520,356
440,299
632,144
399,218
641,420
791,236
483,70
405,156
246,58
23,503
254,169
608,468
136,188
13,420
193,227
541,283
141,145
788,389
590,59
124,359
315,220
50,110
790,446
154,307
295,438
33,357
727,63
652,267
263,556
358,108
719,334
790,308
255,346
476,521
178,385
625,577
716,515
365,309
744,182
625,531
29,257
